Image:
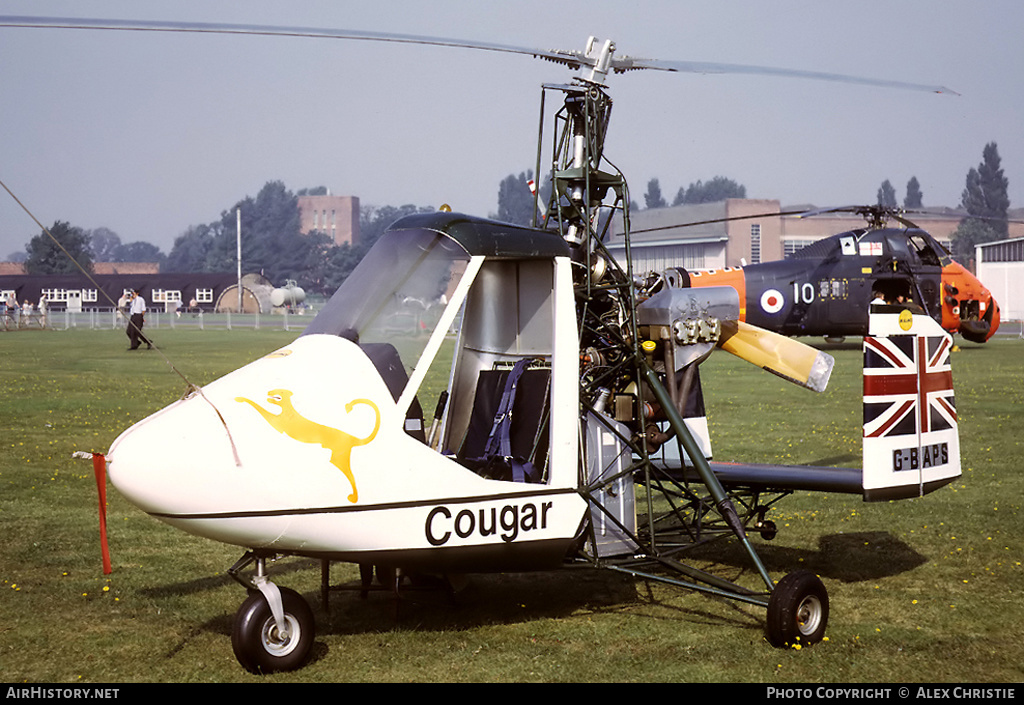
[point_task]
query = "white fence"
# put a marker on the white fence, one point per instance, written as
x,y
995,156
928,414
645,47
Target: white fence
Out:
x,y
108,318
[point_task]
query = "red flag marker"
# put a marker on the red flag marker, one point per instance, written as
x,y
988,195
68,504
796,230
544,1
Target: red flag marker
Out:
x,y
99,466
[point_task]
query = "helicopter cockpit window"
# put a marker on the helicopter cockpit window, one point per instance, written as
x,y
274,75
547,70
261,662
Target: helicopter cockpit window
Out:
x,y
899,244
391,303
924,249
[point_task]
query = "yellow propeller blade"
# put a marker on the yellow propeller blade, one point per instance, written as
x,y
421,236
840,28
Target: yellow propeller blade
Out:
x,y
790,359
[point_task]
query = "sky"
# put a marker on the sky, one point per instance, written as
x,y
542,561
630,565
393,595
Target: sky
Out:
x,y
148,134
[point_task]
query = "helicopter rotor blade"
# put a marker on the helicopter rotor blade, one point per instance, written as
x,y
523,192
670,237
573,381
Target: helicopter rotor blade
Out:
x,y
600,61
704,67
573,59
870,213
875,214
712,221
829,209
864,211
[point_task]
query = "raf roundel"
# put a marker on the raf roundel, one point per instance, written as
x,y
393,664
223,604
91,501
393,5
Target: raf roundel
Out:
x,y
772,301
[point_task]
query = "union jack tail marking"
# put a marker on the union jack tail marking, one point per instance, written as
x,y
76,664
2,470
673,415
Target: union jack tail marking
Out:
x,y
911,435
908,385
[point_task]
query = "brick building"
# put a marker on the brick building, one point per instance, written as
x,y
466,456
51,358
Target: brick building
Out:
x,y
336,216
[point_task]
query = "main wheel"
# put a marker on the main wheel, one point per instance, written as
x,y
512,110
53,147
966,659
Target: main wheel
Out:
x,y
257,642
797,610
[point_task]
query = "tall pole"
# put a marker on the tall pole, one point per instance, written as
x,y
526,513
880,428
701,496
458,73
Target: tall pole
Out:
x,y
238,246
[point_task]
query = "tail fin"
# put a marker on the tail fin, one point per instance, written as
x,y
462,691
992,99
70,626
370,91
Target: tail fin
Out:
x,y
911,440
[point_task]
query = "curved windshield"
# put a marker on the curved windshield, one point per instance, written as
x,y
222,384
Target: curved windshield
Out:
x,y
394,298
398,289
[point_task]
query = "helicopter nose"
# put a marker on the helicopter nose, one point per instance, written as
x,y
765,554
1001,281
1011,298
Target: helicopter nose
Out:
x,y
178,460
975,331
968,305
981,329
269,435
181,466
991,316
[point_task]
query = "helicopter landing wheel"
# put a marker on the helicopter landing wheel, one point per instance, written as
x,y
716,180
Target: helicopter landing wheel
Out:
x,y
258,644
797,610
767,529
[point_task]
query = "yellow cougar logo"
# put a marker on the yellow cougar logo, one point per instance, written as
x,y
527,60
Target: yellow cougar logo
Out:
x,y
290,422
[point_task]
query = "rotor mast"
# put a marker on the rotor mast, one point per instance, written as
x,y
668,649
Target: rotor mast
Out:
x,y
579,185
607,296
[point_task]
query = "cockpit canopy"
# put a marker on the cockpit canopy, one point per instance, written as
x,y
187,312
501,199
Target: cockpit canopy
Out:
x,y
397,292
426,277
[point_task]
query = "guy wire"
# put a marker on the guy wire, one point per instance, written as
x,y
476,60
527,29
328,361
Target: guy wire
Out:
x,y
192,388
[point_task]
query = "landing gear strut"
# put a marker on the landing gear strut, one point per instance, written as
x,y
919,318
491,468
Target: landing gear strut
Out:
x,y
274,628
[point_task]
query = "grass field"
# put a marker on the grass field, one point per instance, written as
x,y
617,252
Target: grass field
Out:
x,y
925,590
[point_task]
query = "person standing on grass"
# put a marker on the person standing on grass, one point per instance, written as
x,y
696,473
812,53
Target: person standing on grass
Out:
x,y
122,307
137,319
13,309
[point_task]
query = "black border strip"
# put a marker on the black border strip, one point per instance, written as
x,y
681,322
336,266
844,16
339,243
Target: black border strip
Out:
x,y
372,507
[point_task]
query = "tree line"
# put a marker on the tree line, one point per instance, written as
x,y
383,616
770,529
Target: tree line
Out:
x,y
985,199
717,189
886,196
72,247
273,245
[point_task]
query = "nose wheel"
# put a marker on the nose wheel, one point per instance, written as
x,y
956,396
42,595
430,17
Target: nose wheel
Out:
x,y
262,644
274,628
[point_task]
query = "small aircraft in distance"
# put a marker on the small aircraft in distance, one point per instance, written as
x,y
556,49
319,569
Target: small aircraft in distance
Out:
x,y
824,289
569,427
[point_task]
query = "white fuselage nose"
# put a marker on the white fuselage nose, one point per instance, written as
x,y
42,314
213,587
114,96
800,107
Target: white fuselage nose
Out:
x,y
305,451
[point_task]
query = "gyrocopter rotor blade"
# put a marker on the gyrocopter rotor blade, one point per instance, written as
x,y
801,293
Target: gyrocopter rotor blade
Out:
x,y
598,58
629,64
278,31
